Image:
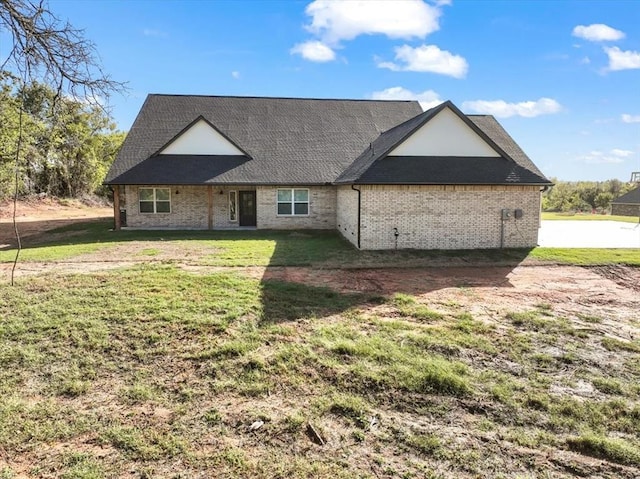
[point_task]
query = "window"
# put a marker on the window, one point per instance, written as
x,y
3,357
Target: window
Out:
x,y
233,202
155,200
293,202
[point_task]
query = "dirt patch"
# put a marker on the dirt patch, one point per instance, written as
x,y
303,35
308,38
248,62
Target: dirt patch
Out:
x,y
624,276
38,215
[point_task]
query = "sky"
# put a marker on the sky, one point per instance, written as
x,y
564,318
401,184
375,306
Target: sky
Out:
x,y
563,77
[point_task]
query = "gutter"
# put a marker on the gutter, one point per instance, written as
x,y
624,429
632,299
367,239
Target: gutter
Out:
x,y
359,208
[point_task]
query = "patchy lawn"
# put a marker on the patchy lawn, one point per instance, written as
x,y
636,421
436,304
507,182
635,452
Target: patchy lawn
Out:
x,y
158,371
290,354
94,242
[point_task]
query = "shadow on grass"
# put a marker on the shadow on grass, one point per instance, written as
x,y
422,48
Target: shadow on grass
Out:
x,y
314,273
286,301
349,278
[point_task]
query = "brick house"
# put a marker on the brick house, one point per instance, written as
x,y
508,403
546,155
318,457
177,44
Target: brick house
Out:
x,y
627,204
384,174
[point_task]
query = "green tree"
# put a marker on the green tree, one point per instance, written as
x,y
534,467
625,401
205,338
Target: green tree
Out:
x,y
67,145
603,200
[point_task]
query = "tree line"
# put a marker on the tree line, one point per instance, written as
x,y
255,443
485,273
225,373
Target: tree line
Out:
x,y
66,144
583,195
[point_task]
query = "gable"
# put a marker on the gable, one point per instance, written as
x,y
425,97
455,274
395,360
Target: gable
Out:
x,y
446,134
289,140
200,139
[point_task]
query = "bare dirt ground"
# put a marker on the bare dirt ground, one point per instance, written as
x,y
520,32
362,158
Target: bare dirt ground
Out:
x,y
37,215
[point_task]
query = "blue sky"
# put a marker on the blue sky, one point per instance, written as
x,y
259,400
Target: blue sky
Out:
x,y
563,77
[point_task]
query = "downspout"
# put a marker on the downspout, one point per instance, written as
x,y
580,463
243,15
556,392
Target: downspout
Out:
x,y
359,206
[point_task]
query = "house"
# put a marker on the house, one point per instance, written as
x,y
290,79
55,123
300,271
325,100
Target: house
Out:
x,y
627,204
384,174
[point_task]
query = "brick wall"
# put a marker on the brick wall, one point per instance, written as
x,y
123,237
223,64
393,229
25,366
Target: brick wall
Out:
x,y
189,209
427,217
322,209
347,213
448,217
625,210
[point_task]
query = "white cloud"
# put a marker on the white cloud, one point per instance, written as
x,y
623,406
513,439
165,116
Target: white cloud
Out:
x,y
626,118
599,157
235,74
427,58
585,61
334,21
314,51
597,32
621,153
428,98
622,60
502,109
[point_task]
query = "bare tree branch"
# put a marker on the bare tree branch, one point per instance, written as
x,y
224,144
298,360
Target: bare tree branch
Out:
x,y
54,52
47,49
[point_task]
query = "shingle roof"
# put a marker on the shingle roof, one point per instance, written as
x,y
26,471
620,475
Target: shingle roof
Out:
x,y
290,141
192,170
513,167
307,141
630,198
438,170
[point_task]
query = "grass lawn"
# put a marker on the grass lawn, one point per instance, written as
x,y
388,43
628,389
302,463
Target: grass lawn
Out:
x,y
95,241
587,217
158,372
149,370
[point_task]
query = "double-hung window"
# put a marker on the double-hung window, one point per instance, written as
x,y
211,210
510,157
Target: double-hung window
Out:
x,y
155,200
293,202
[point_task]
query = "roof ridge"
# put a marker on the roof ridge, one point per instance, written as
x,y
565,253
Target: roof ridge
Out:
x,y
281,98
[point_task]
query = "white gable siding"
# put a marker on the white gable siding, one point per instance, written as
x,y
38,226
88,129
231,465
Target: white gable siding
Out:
x,y
201,139
444,135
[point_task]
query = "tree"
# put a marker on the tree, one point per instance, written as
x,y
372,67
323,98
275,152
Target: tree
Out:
x,y
47,49
67,145
583,195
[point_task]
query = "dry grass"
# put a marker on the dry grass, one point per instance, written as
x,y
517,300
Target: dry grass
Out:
x,y
158,372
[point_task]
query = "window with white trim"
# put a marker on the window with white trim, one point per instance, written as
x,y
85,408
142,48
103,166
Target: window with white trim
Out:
x,y
293,202
233,206
155,200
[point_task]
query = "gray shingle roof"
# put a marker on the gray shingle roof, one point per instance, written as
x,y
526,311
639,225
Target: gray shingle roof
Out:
x,y
438,170
630,198
374,167
307,141
290,141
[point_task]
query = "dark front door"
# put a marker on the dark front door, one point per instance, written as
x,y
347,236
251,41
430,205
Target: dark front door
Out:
x,y
247,202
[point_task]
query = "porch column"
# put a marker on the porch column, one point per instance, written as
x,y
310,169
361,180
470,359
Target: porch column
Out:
x,y
116,207
210,210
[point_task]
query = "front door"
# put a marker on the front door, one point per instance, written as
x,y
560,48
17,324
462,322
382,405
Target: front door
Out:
x,y
247,200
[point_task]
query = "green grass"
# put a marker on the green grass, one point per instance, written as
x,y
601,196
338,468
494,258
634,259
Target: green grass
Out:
x,y
587,256
546,215
276,248
165,369
616,450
